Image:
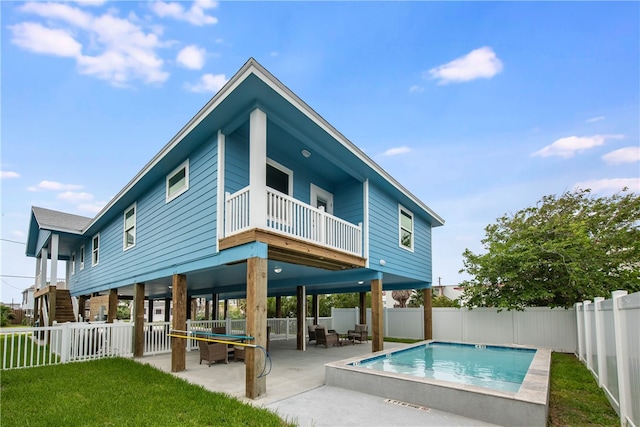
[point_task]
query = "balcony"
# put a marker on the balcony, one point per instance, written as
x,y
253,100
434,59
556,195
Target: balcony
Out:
x,y
286,216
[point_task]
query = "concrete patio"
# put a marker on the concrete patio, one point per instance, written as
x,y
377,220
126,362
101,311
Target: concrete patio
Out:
x,y
296,390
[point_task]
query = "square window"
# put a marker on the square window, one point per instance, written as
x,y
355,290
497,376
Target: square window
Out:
x,y
405,228
177,181
129,238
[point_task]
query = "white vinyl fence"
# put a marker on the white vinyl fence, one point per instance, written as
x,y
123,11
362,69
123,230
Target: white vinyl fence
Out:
x,y
537,326
609,345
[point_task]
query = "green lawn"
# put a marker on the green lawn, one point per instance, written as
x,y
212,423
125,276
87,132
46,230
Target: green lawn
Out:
x,y
575,398
117,392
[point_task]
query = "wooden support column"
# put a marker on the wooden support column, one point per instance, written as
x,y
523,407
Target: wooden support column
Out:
x,y
428,313
150,310
188,307
315,307
226,309
215,306
278,307
256,326
377,320
363,308
138,319
206,310
179,345
36,311
167,309
52,304
112,309
301,315
82,302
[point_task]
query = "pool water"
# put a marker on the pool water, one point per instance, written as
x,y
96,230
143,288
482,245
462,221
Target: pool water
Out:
x,y
495,367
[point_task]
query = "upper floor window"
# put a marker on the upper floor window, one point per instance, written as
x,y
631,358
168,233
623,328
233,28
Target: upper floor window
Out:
x,y
81,257
95,249
129,227
73,263
405,225
178,181
279,177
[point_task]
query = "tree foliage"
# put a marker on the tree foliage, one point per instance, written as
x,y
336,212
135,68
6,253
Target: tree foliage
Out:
x,y
561,251
417,300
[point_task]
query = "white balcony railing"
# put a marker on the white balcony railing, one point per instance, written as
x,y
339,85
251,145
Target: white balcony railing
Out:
x,y
291,217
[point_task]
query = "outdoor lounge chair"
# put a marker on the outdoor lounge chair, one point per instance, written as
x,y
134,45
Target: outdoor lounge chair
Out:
x,y
360,333
326,337
312,332
213,352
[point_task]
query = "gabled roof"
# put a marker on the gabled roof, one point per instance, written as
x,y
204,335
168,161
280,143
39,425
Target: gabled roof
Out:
x,y
59,221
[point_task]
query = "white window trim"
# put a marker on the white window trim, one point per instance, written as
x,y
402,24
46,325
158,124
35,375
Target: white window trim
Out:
x,y
82,255
135,227
185,166
95,250
282,169
400,228
73,263
316,191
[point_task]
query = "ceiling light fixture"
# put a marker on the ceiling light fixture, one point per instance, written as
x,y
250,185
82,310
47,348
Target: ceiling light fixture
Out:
x,y
277,270
306,153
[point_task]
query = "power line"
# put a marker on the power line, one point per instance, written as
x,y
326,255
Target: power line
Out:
x,y
13,241
17,277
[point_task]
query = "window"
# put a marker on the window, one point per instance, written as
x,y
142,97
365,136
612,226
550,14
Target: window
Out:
x,y
178,181
95,249
129,227
279,177
73,263
406,228
158,311
81,257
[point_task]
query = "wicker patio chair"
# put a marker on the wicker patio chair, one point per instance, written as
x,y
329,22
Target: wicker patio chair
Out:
x,y
213,352
325,337
360,333
312,332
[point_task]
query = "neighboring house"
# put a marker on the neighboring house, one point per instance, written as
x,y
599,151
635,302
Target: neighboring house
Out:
x,y
256,196
450,291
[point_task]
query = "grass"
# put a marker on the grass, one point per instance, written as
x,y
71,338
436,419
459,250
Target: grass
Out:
x,y
117,392
575,398
14,341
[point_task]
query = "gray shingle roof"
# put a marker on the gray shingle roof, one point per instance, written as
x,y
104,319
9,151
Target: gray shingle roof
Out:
x,y
61,221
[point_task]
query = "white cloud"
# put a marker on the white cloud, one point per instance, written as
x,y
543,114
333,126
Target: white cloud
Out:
x,y
610,186
623,155
116,50
54,186
196,15
75,197
9,175
208,83
479,63
594,119
92,208
91,2
396,151
191,57
273,54
570,145
36,38
416,89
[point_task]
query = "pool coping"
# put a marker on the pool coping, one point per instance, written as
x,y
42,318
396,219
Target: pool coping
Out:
x,y
527,406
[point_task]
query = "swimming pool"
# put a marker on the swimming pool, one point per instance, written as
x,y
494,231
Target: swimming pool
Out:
x,y
496,367
524,402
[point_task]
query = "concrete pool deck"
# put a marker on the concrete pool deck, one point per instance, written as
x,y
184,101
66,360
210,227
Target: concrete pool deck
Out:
x,y
297,392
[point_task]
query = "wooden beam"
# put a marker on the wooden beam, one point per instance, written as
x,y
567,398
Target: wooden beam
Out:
x,y
301,316
149,310
295,251
427,313
138,320
112,308
215,306
82,302
52,304
363,308
167,309
377,320
256,327
179,345
278,307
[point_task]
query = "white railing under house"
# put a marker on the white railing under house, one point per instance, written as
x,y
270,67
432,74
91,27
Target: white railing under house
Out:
x,y
289,216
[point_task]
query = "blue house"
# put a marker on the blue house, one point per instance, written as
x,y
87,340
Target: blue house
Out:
x,y
257,195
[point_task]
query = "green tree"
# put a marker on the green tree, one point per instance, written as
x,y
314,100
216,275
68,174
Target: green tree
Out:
x,y
417,300
563,250
6,314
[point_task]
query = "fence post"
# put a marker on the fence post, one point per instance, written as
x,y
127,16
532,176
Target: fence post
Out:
x,y
600,349
578,306
287,330
65,343
587,334
619,329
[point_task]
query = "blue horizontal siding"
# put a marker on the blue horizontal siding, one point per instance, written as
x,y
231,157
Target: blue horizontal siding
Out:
x,y
180,231
383,239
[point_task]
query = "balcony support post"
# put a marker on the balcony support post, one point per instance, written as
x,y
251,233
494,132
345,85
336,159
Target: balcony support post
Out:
x,y
258,169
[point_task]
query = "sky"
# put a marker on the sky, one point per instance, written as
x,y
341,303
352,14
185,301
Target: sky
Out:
x,y
479,109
